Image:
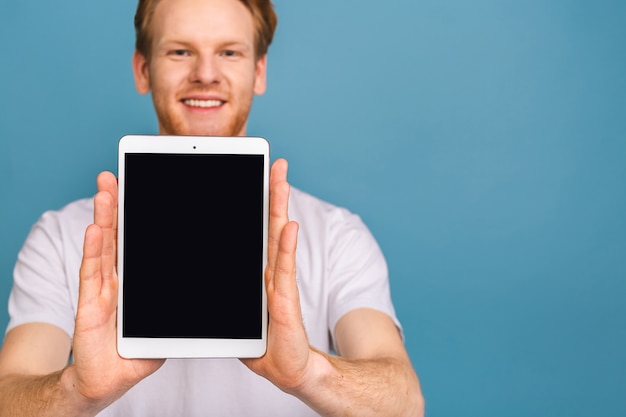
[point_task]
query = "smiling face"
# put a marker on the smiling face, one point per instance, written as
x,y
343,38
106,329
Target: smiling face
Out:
x,y
202,69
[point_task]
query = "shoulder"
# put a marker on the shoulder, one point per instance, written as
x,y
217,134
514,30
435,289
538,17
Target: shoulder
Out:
x,y
46,272
308,209
328,227
76,211
68,222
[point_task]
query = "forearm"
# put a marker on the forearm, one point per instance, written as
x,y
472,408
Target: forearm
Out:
x,y
372,387
41,396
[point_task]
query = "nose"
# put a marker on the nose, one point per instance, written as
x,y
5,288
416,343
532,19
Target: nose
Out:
x,y
205,70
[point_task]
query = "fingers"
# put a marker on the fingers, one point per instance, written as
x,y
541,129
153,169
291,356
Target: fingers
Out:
x,y
279,170
279,201
284,280
106,181
283,236
90,268
97,271
288,346
105,216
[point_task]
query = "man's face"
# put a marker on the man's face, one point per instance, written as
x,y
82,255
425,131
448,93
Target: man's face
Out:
x,y
202,71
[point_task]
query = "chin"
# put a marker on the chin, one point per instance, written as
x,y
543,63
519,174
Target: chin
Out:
x,y
174,124
193,132
203,131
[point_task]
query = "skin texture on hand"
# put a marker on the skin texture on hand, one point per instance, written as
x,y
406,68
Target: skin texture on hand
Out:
x,y
288,347
374,377
100,374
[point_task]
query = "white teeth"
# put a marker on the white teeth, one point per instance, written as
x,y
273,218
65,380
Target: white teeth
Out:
x,y
202,103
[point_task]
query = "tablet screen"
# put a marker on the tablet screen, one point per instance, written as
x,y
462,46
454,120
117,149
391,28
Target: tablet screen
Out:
x,y
192,245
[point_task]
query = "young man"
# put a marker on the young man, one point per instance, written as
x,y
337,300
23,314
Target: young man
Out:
x,y
203,61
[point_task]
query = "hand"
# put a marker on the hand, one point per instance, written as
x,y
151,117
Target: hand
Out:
x,y
99,373
374,378
288,353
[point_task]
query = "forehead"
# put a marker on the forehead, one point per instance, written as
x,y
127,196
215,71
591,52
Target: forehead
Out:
x,y
202,21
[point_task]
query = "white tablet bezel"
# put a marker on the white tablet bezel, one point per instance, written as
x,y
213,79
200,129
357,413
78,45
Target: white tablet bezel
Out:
x,y
139,347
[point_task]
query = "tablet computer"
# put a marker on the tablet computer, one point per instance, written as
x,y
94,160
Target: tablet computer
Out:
x,y
192,245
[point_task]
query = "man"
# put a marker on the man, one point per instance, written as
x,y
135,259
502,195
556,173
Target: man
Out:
x,y
203,61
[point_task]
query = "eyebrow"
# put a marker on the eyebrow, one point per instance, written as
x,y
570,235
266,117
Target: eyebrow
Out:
x,y
239,44
168,43
171,43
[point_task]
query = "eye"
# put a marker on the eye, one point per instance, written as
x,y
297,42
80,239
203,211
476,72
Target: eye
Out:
x,y
230,53
180,52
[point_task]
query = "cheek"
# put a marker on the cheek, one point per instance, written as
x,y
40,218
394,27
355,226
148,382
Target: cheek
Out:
x,y
166,79
246,82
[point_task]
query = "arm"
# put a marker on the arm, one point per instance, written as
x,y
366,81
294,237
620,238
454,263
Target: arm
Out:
x,y
34,380
31,363
373,375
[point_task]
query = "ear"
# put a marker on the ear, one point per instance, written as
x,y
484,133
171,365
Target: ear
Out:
x,y
141,73
260,75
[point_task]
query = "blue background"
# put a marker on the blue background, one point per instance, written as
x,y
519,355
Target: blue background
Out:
x,y
483,142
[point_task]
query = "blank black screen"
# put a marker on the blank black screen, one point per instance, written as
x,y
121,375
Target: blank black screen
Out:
x,y
193,239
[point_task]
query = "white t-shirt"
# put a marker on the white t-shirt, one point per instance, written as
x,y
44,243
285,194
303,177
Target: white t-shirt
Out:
x,y
339,268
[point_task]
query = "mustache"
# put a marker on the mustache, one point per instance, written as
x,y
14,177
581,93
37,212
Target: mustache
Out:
x,y
202,89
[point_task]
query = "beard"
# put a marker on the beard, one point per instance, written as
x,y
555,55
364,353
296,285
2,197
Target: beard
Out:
x,y
174,121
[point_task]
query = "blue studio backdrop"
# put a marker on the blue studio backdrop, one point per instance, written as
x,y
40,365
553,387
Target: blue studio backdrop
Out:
x,y
483,142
